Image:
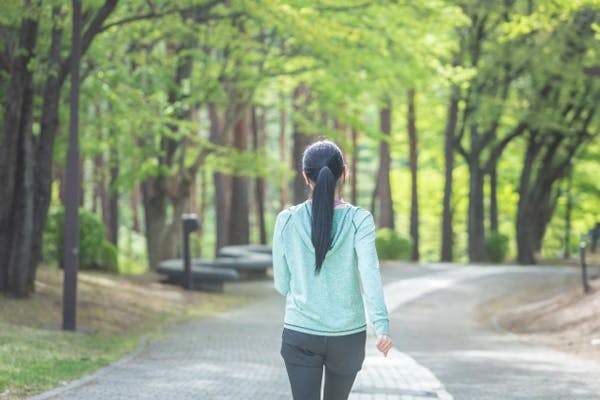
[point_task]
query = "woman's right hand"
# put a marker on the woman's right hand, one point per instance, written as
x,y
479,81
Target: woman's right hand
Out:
x,y
384,344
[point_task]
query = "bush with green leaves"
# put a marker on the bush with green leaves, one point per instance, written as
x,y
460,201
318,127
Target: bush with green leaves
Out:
x,y
496,246
95,252
391,246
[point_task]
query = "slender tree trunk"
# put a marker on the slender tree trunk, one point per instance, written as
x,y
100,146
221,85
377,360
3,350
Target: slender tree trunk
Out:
x,y
113,203
414,193
494,199
449,138
239,224
354,167
202,206
258,137
135,208
568,211
101,192
179,198
301,141
546,204
154,196
524,225
384,192
16,170
283,150
222,195
476,213
193,199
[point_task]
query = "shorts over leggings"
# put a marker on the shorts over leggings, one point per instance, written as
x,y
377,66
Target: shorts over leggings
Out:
x,y
305,355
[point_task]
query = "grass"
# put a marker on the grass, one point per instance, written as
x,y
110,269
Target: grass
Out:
x,y
33,360
113,314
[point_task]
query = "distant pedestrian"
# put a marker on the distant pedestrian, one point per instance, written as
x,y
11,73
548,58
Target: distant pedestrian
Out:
x,y
323,254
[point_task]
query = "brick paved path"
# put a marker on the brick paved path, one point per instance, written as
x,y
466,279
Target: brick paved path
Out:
x,y
235,356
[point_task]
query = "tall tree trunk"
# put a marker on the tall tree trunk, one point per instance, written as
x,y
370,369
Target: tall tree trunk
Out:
x,y
101,192
113,202
154,199
414,193
203,197
476,213
524,224
494,199
193,200
383,190
222,195
239,224
16,169
301,141
354,167
258,139
135,208
449,138
179,196
568,212
283,150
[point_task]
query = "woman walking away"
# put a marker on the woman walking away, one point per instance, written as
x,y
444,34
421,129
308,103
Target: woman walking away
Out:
x,y
323,253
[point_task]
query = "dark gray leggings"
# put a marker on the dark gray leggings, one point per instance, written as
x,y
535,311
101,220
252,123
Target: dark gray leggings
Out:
x,y
306,355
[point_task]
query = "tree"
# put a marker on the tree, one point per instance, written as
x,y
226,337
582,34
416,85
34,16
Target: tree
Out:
x,y
383,191
414,192
25,198
563,105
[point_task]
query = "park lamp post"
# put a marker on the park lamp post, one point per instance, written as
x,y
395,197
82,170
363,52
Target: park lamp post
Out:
x,y
71,224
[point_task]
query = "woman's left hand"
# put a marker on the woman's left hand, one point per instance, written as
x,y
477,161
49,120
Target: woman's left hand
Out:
x,y
384,344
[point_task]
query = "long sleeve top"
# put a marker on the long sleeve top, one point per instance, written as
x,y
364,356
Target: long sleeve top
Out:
x,y
331,302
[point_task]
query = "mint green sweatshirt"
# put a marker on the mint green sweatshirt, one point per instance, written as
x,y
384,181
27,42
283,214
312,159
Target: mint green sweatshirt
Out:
x,y
329,303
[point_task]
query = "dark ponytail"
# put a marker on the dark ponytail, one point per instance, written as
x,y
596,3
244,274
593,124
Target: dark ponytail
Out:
x,y
323,164
322,214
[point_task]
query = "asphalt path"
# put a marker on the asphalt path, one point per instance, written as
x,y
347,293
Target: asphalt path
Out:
x,y
473,358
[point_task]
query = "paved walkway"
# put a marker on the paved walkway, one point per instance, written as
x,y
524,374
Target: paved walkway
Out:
x,y
235,356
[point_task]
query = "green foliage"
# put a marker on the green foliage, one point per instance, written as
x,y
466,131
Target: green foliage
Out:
x,y
132,252
496,246
109,256
391,246
94,250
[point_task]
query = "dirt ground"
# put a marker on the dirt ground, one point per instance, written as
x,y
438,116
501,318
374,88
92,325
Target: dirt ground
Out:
x,y
558,315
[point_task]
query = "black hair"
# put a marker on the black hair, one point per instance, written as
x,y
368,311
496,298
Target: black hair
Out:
x,y
323,164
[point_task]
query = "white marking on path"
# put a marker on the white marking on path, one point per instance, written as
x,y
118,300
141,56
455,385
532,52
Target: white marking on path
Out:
x,y
399,376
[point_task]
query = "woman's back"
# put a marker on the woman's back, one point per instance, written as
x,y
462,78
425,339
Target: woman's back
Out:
x,y
328,302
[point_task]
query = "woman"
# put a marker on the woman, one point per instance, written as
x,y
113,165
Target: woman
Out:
x,y
323,253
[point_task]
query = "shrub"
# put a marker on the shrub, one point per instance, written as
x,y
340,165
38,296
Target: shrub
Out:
x,y
496,246
391,246
94,250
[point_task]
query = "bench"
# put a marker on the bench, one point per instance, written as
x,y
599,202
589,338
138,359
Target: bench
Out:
x,y
249,260
206,275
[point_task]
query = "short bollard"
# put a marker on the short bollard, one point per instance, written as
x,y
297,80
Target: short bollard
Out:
x,y
584,278
190,224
